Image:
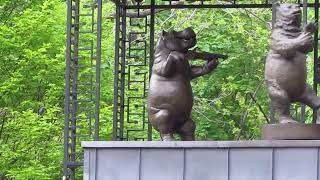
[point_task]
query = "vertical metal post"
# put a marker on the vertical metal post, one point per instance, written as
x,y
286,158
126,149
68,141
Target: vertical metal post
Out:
x,y
316,61
274,16
67,90
305,12
74,94
98,74
304,20
151,56
116,77
274,13
123,71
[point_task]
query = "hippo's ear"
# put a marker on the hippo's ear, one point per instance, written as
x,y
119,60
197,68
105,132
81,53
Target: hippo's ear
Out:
x,y
276,5
164,33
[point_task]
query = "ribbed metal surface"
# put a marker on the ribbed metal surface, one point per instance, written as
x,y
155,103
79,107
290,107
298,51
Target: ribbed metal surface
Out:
x,y
246,160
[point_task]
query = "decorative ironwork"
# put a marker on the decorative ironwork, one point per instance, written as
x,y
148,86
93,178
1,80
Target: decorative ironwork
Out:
x,y
178,4
133,54
316,66
82,91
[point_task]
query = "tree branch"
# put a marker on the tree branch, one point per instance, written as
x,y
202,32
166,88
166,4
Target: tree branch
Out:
x,y
245,114
268,24
3,117
260,108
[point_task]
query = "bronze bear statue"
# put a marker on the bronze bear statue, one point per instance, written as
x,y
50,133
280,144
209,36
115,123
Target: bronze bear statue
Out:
x,y
170,97
285,69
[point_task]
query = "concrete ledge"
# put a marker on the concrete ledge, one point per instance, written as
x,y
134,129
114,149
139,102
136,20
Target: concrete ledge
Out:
x,y
201,144
202,160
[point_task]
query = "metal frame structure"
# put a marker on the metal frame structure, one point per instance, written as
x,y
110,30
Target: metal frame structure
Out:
x,y
82,89
135,10
134,54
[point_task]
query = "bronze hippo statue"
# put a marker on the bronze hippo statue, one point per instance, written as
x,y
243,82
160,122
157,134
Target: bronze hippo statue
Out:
x,y
170,96
285,70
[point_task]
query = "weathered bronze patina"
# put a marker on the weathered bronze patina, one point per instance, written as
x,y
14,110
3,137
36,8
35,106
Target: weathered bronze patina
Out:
x,y
285,70
170,96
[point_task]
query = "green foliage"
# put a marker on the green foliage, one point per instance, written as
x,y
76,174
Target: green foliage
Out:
x,y
31,88
15,8
32,145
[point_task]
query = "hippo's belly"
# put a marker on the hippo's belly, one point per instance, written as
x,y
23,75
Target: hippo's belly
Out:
x,y
174,91
289,74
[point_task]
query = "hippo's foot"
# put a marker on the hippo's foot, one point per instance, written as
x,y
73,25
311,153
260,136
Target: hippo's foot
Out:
x,y
286,120
187,138
167,137
186,132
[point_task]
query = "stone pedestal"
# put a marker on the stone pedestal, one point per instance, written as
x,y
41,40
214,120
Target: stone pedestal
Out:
x,y
290,132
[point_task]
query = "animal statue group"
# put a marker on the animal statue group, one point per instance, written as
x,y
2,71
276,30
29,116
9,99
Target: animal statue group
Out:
x,y
285,69
170,97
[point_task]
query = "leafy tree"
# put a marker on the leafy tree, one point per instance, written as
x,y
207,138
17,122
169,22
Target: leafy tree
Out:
x,y
31,88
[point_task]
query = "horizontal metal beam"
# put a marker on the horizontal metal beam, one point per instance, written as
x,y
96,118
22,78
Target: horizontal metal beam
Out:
x,y
203,6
